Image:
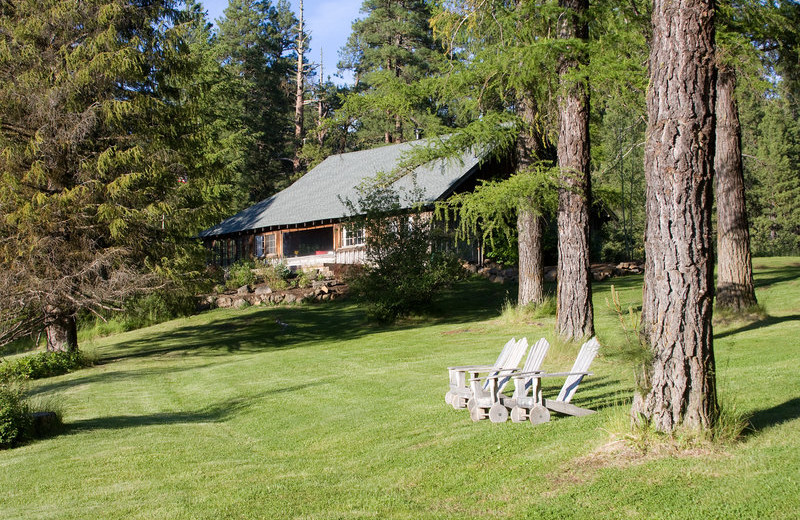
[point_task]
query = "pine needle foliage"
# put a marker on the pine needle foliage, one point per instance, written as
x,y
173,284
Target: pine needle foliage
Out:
x,y
102,170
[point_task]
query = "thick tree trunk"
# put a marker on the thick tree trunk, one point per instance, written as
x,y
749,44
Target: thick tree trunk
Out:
x,y
735,289
531,279
529,220
679,387
575,315
62,334
299,97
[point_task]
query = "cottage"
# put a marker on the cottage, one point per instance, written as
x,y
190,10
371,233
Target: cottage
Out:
x,y
303,225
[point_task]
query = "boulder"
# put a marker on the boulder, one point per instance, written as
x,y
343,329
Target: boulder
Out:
x,y
44,423
263,290
241,291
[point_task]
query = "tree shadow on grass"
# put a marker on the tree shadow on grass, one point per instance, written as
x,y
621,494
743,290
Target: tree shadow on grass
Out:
x,y
280,327
758,324
85,377
215,413
765,277
774,416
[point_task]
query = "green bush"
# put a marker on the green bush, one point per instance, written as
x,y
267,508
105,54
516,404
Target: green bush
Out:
x,y
240,274
275,275
41,365
15,417
405,266
303,280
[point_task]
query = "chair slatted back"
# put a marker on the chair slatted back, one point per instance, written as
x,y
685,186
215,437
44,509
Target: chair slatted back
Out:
x,y
582,362
535,358
505,353
512,360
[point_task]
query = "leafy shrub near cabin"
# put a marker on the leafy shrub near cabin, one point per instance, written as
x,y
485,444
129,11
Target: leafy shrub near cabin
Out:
x,y
240,274
275,275
41,365
15,417
407,261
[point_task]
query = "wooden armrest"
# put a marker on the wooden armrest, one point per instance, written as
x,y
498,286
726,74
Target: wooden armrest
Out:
x,y
501,372
540,374
467,368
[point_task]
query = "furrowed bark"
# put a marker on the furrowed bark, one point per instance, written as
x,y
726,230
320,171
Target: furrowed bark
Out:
x,y
529,220
62,334
575,315
531,279
735,288
680,385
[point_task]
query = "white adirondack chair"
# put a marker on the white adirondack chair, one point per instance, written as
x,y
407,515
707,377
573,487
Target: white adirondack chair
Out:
x,y
487,399
528,402
459,392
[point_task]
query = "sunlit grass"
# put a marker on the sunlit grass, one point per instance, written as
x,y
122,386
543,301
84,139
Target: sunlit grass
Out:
x,y
229,415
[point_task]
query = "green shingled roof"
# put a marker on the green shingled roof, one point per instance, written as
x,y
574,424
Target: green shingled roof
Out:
x,y
317,196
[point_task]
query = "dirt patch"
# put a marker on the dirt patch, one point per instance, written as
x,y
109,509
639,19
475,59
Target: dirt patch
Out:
x,y
622,453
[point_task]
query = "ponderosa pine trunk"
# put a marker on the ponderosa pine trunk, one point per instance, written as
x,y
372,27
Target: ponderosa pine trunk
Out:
x,y
735,288
529,219
531,278
575,315
679,387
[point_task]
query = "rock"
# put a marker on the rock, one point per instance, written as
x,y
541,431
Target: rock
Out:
x,y
509,273
223,302
497,279
276,297
470,267
263,290
240,302
241,291
290,298
44,423
550,274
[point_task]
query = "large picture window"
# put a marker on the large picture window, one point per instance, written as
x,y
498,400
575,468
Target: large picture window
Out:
x,y
352,237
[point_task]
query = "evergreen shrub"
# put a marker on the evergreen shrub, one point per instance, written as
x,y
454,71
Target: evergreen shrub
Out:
x,y
15,417
41,365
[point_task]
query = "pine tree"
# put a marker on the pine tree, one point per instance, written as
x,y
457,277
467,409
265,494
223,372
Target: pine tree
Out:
x,y
391,51
679,387
99,179
575,314
252,45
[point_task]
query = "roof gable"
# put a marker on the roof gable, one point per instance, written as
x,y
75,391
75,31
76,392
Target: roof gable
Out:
x,y
318,195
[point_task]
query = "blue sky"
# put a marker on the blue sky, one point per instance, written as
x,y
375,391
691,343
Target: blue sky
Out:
x,y
328,21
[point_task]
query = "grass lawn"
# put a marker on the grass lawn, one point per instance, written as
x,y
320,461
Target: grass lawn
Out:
x,y
227,415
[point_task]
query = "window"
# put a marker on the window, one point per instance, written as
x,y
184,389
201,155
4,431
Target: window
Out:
x,y
265,245
269,244
352,237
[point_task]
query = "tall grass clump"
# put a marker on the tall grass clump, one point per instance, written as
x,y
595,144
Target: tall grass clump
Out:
x,y
518,314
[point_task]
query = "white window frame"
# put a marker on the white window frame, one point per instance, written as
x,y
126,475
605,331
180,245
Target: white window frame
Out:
x,y
353,239
270,244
